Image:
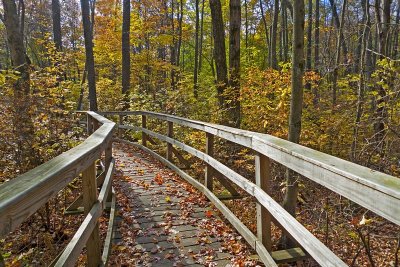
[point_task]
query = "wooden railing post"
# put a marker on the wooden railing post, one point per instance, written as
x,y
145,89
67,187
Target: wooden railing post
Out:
x,y
89,125
120,121
144,136
170,133
209,170
89,199
263,180
95,125
108,155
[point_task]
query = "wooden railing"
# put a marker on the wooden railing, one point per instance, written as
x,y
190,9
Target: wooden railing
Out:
x,y
24,195
373,190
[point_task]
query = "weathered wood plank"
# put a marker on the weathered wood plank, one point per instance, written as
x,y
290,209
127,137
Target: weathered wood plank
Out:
x,y
144,125
75,246
151,140
180,157
209,171
263,180
128,127
170,133
105,189
108,156
226,183
289,255
89,188
110,230
228,197
120,122
76,206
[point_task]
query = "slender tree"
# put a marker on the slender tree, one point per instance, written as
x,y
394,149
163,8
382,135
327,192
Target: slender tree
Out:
x,y
234,62
196,50
316,49
316,36
180,22
56,16
382,13
285,32
264,20
274,34
396,33
361,85
219,50
337,23
309,41
340,43
309,35
296,102
87,32
246,29
201,36
174,46
126,55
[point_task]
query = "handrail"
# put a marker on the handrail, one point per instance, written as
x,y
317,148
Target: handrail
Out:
x,y
24,195
373,190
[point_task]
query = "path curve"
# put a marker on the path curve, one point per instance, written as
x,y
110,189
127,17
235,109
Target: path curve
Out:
x,y
164,221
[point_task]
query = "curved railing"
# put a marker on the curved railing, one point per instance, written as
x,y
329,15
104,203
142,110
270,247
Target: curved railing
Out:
x,y
373,190
24,195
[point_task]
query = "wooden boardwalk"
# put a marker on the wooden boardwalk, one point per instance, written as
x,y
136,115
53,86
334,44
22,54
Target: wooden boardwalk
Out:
x,y
164,221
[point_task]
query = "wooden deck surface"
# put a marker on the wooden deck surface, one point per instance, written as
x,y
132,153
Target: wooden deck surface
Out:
x,y
164,221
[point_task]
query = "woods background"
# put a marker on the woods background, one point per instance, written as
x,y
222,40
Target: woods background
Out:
x,y
228,62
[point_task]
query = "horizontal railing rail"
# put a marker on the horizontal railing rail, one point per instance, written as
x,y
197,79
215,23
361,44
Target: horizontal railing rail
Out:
x,y
373,190
24,195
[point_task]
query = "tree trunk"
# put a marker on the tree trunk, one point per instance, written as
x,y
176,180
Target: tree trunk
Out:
x,y
316,36
268,44
309,37
23,125
383,23
273,58
284,49
219,50
296,103
246,30
196,50
173,46
316,50
337,59
87,32
234,63
56,15
289,6
126,55
338,24
201,37
361,86
396,32
357,59
178,56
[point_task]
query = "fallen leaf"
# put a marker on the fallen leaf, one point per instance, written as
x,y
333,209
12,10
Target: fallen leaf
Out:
x,y
209,213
